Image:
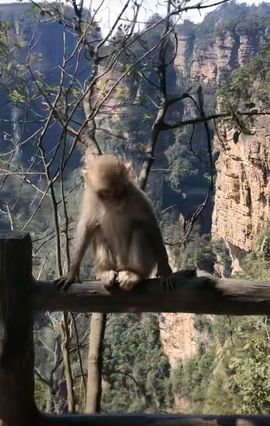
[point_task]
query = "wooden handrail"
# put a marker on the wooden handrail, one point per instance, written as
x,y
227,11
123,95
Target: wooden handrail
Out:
x,y
195,294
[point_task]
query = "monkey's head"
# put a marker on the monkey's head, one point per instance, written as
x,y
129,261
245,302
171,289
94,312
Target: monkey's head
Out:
x,y
109,178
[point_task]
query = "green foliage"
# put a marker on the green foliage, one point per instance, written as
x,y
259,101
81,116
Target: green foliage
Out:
x,y
249,377
206,257
147,117
181,158
140,100
242,351
254,25
222,251
197,251
192,377
255,265
3,48
16,97
239,384
235,352
230,18
42,395
248,83
136,371
128,69
229,373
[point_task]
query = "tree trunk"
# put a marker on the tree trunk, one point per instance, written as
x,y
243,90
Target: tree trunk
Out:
x,y
96,335
67,363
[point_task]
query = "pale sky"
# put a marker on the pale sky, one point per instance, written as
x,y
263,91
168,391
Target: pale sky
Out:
x,y
110,9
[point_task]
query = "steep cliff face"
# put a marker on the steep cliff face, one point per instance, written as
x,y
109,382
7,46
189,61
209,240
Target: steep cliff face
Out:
x,y
242,198
210,63
226,39
177,337
177,332
207,54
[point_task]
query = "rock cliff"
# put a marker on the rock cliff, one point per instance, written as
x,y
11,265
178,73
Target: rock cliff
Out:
x,y
228,52
177,337
211,63
242,198
207,53
226,39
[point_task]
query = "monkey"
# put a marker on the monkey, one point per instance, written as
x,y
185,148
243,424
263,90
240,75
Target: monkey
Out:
x,y
118,219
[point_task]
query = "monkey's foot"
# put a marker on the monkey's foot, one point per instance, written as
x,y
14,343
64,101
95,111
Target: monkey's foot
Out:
x,y
128,279
108,278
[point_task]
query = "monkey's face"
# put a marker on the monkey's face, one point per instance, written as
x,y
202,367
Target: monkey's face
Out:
x,y
109,179
113,196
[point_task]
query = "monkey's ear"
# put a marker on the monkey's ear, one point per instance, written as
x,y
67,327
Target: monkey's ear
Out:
x,y
128,167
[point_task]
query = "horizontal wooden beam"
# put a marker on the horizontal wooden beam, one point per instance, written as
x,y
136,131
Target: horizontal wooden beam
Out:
x,y
154,420
192,293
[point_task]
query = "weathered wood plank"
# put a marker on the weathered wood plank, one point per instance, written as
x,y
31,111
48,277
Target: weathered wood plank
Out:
x,y
17,407
193,294
154,420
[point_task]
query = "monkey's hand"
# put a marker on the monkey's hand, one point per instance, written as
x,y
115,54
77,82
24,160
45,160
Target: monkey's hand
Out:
x,y
65,282
164,272
108,278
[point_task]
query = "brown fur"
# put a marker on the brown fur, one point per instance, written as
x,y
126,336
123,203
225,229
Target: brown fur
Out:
x,y
119,220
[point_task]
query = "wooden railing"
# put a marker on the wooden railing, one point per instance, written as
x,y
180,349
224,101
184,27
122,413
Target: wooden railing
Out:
x,y
21,296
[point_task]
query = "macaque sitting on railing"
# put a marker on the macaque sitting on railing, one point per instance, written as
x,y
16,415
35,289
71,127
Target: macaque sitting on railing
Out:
x,y
118,218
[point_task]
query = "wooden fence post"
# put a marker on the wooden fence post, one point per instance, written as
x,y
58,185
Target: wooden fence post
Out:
x,y
17,406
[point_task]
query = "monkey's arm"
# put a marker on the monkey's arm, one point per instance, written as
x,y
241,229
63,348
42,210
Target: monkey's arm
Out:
x,y
163,268
84,235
